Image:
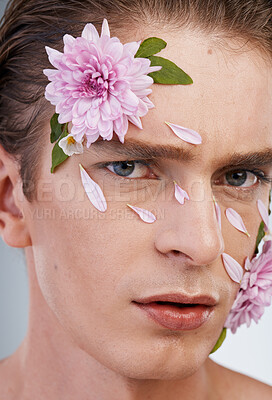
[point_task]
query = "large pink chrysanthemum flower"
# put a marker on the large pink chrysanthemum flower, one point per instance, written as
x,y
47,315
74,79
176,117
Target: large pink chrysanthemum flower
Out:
x,y
98,84
255,290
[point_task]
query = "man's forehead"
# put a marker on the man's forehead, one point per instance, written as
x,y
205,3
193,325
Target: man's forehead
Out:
x,y
229,106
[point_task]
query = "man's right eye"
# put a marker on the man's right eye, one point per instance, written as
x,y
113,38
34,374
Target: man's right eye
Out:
x,y
131,169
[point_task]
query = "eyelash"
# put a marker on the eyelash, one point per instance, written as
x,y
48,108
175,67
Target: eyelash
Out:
x,y
261,175
147,163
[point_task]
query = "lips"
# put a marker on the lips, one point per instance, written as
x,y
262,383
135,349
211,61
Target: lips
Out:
x,y
179,298
177,311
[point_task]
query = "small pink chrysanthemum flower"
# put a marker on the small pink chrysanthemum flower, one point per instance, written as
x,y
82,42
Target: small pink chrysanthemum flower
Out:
x,y
255,291
98,84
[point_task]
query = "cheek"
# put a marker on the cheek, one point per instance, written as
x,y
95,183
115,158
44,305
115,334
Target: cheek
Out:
x,y
84,276
237,243
89,254
94,266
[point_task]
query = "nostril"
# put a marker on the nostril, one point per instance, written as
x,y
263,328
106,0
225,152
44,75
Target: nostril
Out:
x,y
177,254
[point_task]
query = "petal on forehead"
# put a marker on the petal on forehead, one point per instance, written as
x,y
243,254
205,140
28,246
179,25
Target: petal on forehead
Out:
x,y
188,135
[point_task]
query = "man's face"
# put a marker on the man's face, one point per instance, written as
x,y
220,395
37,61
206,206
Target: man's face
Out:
x,y
91,266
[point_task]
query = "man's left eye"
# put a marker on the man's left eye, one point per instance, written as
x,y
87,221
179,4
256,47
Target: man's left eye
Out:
x,y
130,169
241,178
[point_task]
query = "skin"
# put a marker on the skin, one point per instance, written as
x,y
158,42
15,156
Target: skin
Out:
x,y
86,339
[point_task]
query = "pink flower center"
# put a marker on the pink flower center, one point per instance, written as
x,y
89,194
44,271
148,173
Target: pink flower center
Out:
x,y
94,86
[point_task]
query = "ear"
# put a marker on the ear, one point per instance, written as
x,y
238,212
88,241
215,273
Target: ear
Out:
x,y
13,227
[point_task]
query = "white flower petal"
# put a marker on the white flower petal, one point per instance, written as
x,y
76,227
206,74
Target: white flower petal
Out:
x,y
105,28
236,220
93,191
145,215
90,33
132,47
263,213
63,145
68,41
247,264
70,147
154,69
188,135
268,237
135,120
54,56
51,73
180,194
79,148
65,116
148,102
233,268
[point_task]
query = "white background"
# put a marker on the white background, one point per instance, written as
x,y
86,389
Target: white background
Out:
x,y
248,351
2,6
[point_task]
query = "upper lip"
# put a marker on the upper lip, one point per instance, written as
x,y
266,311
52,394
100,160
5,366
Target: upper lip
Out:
x,y
180,298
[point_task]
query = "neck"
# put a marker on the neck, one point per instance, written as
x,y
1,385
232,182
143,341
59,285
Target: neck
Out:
x,y
50,364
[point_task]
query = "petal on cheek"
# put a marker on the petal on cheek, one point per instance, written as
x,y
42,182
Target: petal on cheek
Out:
x,y
263,213
180,194
233,268
93,191
236,220
145,215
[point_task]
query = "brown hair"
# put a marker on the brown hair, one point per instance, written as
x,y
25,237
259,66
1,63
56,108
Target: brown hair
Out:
x,y
29,25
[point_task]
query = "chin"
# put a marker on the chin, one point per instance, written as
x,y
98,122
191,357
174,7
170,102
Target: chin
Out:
x,y
166,372
162,363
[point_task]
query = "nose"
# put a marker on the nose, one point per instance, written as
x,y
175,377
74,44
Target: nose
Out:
x,y
190,230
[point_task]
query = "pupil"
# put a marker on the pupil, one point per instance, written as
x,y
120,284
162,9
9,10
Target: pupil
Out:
x,y
236,178
123,168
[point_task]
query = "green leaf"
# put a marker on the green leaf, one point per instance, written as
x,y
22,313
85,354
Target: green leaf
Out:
x,y
170,74
150,46
261,234
56,128
220,341
58,155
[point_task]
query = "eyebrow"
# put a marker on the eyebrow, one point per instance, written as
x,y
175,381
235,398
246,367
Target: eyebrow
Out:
x,y
251,159
143,150
139,149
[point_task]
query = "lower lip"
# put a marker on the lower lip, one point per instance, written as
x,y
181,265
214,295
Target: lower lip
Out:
x,y
173,317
